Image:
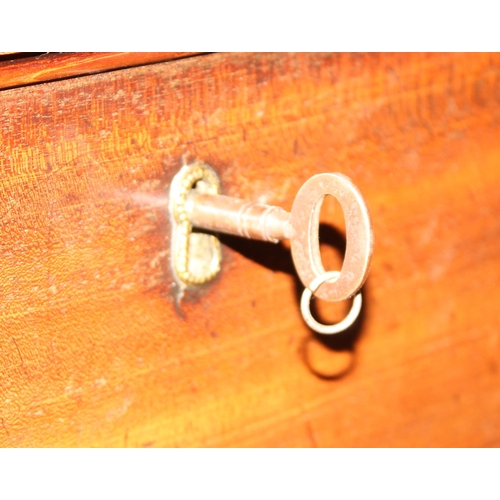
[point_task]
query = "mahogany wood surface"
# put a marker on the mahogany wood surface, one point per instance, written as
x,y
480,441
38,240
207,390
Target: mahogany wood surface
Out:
x,y
49,66
95,351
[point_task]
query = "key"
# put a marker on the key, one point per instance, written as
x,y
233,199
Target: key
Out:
x,y
235,216
207,210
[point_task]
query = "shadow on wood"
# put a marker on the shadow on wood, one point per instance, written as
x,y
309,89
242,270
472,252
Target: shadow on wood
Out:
x,y
329,357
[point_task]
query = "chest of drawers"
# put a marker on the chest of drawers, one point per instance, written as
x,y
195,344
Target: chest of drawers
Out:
x,y
97,351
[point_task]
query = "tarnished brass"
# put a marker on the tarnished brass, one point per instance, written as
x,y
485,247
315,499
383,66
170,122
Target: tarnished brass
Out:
x,y
196,257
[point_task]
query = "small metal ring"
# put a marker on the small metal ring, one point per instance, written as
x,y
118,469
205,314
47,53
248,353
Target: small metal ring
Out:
x,y
306,311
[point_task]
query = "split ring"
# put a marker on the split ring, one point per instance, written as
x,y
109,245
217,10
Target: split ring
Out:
x,y
306,310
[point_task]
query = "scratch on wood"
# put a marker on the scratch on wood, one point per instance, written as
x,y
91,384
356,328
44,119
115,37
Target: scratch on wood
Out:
x,y
5,428
19,351
310,432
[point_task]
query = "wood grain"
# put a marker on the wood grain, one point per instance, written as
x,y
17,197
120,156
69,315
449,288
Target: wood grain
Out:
x,y
54,66
95,350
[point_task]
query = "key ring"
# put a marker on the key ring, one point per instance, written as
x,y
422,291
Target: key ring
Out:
x,y
306,310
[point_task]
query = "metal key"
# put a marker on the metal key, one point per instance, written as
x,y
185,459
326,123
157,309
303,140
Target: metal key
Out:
x,y
218,213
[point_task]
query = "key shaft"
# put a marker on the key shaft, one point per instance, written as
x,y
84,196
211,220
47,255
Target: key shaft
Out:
x,y
239,217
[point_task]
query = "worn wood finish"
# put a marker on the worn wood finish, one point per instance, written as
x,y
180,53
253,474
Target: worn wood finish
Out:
x,y
95,351
54,66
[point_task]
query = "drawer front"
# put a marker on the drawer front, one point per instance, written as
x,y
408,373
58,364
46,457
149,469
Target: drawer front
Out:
x,y
98,349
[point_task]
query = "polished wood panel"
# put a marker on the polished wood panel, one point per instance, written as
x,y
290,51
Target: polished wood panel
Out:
x,y
50,66
96,351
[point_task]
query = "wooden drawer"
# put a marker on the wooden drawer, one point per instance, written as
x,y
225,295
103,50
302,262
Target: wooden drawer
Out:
x,y
96,351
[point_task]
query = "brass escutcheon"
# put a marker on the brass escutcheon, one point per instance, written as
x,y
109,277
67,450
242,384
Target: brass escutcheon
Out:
x,y
196,256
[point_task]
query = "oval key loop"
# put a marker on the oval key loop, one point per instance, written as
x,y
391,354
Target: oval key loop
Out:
x,y
306,310
305,242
